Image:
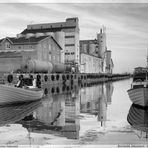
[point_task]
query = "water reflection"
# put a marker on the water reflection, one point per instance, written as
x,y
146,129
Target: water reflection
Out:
x,y
13,113
59,112
138,119
94,100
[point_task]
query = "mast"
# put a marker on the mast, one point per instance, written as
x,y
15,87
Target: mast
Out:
x,y
147,58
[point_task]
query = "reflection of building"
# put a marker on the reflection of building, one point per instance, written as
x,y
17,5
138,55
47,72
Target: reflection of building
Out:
x,y
89,98
94,100
60,111
15,52
102,109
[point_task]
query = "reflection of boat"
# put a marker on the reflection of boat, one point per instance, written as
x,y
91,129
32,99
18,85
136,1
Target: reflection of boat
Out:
x,y
12,113
138,117
139,88
11,94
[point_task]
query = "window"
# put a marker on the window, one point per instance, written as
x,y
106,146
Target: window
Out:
x,y
49,57
72,53
54,58
67,53
29,47
69,44
69,36
7,45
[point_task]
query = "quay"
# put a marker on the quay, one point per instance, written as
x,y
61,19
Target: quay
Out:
x,y
63,78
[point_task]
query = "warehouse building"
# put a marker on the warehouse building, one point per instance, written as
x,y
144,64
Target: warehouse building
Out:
x,y
65,33
56,43
95,58
15,52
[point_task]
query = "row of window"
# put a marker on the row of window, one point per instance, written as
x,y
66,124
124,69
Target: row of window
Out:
x,y
68,53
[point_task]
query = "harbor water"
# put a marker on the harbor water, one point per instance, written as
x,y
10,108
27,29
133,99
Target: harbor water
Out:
x,y
91,115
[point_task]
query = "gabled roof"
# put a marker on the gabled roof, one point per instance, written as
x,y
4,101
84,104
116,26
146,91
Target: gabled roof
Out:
x,y
23,40
31,40
1,40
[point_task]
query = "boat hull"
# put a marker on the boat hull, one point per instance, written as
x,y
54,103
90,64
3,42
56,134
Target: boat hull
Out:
x,y
11,94
139,96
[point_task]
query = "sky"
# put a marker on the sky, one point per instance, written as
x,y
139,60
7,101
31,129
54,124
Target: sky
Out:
x,y
126,25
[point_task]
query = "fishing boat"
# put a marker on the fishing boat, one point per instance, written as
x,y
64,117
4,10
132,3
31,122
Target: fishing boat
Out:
x,y
138,93
138,119
12,94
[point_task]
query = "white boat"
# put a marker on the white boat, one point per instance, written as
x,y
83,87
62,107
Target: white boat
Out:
x,y
10,94
138,93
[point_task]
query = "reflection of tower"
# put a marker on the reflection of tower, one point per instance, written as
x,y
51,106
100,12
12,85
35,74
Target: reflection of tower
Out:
x,y
102,108
72,124
101,39
109,91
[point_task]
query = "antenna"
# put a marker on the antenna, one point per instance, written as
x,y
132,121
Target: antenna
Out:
x,y
147,57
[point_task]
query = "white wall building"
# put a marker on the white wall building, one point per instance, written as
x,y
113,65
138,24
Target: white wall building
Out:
x,y
66,34
95,58
90,64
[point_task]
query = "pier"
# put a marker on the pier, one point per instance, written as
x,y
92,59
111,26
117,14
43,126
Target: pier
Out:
x,y
55,79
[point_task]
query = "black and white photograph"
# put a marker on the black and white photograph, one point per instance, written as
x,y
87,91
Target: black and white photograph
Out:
x,y
73,73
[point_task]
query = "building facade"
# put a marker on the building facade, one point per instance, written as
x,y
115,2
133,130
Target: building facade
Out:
x,y
95,58
90,64
65,33
15,52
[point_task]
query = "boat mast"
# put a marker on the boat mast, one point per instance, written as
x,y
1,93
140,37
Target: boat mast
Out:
x,y
147,66
147,58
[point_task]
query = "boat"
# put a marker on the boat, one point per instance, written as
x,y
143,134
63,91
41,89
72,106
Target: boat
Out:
x,y
138,119
10,94
138,93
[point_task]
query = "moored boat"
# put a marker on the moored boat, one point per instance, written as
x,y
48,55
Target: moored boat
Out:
x,y
138,119
10,94
138,93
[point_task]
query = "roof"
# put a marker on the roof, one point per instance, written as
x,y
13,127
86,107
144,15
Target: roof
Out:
x,y
23,40
40,30
44,30
56,42
1,40
31,40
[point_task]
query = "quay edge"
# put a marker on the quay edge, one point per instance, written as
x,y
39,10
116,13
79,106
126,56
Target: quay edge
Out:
x,y
63,78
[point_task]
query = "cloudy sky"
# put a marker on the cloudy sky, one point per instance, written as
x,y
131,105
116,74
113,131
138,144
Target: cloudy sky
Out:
x,y
126,25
